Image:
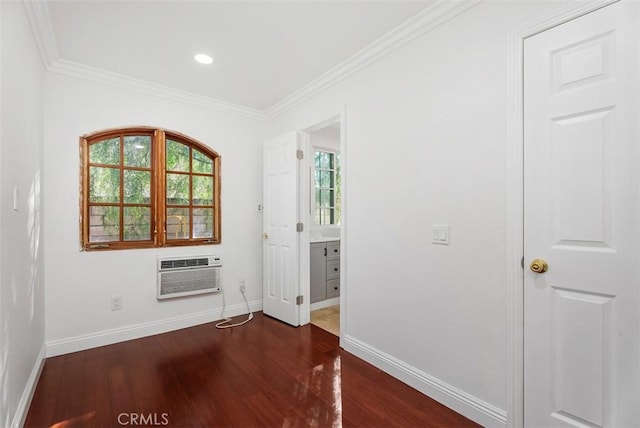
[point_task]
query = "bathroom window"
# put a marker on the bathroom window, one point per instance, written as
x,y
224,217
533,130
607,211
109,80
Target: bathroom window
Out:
x,y
327,188
145,187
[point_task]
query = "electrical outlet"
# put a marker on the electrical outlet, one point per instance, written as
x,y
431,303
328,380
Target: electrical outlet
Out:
x,y
116,303
243,286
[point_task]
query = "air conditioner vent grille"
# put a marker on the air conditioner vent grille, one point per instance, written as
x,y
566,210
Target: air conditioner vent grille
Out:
x,y
182,276
185,283
183,263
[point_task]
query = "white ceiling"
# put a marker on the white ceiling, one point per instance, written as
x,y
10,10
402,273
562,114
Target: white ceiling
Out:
x,y
263,50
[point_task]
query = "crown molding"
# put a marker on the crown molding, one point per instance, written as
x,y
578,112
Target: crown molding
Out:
x,y
38,15
428,19
431,17
37,12
75,69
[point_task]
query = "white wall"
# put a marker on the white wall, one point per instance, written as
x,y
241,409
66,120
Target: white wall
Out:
x,y
326,138
80,284
425,144
21,268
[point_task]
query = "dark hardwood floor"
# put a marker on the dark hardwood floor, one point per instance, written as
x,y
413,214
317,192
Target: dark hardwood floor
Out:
x,y
263,374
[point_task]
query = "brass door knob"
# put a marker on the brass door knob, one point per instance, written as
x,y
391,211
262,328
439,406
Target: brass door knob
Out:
x,y
265,235
539,266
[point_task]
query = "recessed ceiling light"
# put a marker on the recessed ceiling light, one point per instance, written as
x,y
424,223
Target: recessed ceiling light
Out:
x,y
203,59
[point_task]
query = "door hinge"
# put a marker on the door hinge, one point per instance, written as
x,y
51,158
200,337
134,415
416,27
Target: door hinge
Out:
x,y
299,154
299,227
299,300
522,262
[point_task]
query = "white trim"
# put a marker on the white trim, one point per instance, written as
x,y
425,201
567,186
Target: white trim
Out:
x,y
431,17
20,415
111,336
328,120
325,303
434,15
462,402
306,215
304,249
344,170
44,35
42,29
515,197
70,68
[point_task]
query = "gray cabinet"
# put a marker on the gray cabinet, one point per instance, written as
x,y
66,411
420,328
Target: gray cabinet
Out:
x,y
325,270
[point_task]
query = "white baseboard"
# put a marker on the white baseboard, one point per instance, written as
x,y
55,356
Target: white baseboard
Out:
x,y
325,303
20,416
466,404
108,337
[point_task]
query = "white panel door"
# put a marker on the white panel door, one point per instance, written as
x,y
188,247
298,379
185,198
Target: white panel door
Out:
x,y
581,323
280,238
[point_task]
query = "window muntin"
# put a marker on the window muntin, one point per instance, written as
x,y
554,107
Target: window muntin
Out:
x,y
189,195
147,188
119,188
327,188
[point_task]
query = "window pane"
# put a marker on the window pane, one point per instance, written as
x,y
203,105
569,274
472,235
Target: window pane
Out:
x,y
322,216
137,151
325,160
137,187
177,156
202,190
104,184
105,152
177,189
203,223
326,216
104,224
326,199
318,197
137,223
178,223
325,179
202,163
317,157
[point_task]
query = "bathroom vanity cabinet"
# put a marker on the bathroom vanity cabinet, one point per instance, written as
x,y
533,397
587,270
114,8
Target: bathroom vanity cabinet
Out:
x,y
325,270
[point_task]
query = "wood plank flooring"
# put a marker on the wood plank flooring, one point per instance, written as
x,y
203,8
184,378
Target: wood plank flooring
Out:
x,y
263,374
327,319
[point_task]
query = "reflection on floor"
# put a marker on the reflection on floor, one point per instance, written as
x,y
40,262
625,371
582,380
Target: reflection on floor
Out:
x,y
327,319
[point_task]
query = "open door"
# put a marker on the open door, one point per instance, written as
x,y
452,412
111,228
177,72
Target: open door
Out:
x,y
280,256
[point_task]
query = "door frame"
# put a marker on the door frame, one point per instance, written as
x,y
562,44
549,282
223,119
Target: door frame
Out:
x,y
305,203
515,197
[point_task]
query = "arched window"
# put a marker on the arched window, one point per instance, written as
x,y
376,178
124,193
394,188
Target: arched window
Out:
x,y
146,187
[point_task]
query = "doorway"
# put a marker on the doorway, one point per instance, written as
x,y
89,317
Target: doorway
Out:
x,y
323,142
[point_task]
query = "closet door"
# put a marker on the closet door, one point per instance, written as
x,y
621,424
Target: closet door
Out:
x,y
581,222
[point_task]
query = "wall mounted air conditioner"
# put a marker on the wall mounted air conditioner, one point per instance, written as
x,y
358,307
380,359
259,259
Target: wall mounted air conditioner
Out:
x,y
185,276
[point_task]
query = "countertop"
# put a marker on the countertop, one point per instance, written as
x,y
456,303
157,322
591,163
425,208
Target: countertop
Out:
x,y
323,239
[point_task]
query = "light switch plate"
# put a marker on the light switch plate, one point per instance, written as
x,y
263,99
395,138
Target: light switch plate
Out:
x,y
440,234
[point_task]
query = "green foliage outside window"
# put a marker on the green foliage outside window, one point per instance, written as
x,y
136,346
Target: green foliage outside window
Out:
x,y
327,188
120,190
